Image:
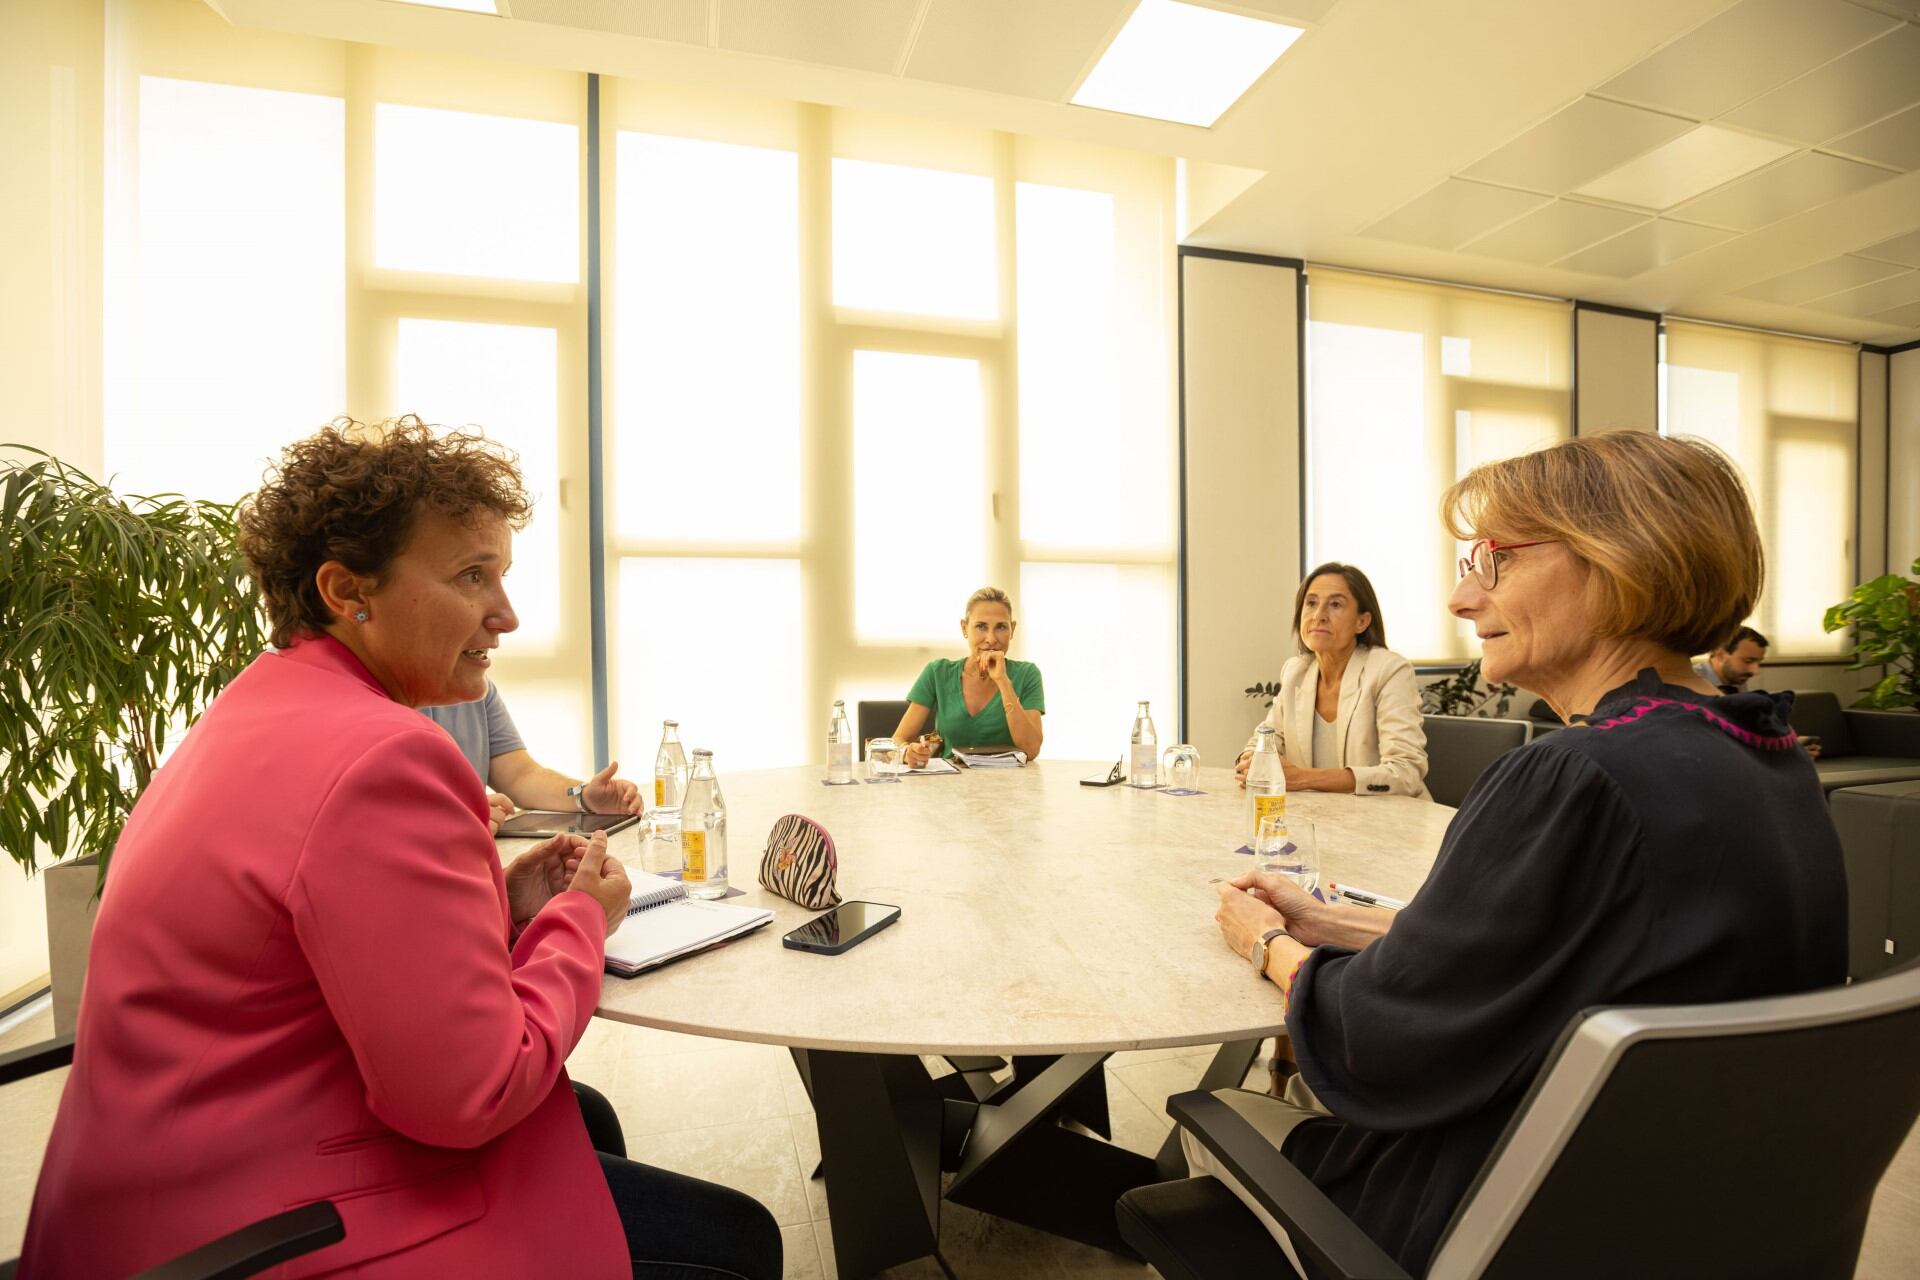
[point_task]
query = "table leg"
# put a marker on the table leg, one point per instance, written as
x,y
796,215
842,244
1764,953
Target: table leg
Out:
x,y
880,1121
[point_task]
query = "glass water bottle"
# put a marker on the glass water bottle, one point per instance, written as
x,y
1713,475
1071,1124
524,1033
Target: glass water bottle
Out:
x,y
1143,770
839,745
1266,782
703,831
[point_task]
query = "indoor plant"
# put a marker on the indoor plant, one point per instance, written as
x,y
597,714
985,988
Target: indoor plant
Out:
x,y
1885,616
120,619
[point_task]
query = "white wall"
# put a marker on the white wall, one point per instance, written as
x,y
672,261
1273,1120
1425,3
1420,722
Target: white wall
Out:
x,y
1240,535
50,132
1903,460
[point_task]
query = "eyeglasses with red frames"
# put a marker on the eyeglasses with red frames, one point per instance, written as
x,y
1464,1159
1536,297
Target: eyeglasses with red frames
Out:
x,y
1483,558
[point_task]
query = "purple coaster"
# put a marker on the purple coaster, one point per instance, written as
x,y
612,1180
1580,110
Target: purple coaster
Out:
x,y
1180,791
1246,849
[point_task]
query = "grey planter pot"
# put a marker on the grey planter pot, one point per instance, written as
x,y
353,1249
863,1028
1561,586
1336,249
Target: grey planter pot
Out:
x,y
70,907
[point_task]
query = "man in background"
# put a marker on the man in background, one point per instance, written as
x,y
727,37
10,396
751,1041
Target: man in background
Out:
x,y
1729,667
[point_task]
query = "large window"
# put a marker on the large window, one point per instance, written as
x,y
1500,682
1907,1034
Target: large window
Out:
x,y
1409,387
1787,411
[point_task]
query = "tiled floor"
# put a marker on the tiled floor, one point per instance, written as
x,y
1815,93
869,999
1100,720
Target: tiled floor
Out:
x,y
736,1114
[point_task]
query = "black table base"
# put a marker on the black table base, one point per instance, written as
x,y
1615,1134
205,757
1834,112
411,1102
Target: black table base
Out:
x,y
889,1130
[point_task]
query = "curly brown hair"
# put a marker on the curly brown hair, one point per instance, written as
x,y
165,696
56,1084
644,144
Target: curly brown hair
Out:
x,y
351,492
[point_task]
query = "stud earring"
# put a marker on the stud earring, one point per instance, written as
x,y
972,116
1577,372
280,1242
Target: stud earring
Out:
x,y
360,616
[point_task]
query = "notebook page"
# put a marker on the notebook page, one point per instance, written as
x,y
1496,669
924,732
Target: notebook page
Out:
x,y
647,938
650,890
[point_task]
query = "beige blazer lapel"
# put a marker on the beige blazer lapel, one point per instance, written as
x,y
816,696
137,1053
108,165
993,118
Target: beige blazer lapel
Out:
x,y
1299,744
1349,699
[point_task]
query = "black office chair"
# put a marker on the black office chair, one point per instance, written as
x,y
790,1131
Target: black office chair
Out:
x,y
879,719
1742,1139
246,1252
1459,749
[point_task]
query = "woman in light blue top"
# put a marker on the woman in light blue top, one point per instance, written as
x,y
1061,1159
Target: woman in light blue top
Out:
x,y
985,701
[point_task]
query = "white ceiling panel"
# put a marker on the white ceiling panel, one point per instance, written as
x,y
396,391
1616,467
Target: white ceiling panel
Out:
x,y
680,20
1013,46
1550,233
1903,249
1653,244
1848,93
1693,162
1575,144
865,35
1894,291
1747,50
1908,316
1894,141
1453,213
1819,280
1804,182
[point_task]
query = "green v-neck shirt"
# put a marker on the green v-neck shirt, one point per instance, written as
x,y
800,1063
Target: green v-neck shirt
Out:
x,y
939,687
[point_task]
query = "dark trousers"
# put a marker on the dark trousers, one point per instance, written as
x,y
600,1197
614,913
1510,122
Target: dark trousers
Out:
x,y
679,1228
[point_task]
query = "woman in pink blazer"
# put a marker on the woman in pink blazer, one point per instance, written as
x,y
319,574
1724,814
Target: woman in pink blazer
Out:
x,y
311,979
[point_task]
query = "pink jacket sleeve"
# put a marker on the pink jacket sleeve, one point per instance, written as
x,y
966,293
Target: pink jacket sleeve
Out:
x,y
398,903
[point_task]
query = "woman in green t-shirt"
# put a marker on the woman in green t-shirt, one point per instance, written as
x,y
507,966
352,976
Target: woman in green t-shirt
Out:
x,y
983,702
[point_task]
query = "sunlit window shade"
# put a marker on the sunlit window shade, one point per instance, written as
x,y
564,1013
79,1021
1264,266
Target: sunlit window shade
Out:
x,y
1787,411
1409,387
710,643
225,312
1103,635
913,241
706,382
501,381
456,193
918,451
1096,455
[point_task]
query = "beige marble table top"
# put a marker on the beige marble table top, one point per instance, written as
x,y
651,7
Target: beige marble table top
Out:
x,y
1037,915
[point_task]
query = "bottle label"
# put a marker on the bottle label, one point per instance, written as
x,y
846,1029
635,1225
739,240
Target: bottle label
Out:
x,y
1269,807
659,792
693,855
840,755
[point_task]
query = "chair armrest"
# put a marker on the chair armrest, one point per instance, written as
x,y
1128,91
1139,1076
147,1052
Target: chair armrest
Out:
x,y
1884,733
48,1055
254,1248
1320,1232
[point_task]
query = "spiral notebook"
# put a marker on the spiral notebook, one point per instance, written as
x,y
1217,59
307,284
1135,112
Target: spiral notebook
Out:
x,y
663,924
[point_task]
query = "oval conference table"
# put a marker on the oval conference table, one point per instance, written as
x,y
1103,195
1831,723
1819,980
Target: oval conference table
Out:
x,y
1041,919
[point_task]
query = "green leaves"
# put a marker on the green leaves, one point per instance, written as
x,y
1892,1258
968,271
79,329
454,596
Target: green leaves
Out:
x,y
1885,616
120,619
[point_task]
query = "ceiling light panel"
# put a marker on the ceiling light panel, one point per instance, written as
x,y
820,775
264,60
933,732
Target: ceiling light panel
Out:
x,y
1903,249
1747,50
1871,299
1577,144
864,35
1653,244
1819,280
1804,182
1011,46
1453,213
1846,94
1551,233
1894,141
1183,62
1693,162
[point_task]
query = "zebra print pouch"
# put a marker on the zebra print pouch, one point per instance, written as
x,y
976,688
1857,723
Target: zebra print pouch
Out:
x,y
799,863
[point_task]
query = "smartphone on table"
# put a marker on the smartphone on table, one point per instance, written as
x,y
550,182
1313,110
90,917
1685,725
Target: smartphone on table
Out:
x,y
847,925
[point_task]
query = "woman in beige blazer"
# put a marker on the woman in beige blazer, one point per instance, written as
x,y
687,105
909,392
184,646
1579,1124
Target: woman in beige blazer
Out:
x,y
1347,715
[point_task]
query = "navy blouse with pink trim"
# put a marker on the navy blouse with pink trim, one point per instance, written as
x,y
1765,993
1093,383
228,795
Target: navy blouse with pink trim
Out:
x,y
1673,849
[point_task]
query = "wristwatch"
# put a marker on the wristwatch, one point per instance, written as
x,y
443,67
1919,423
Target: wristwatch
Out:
x,y
1260,945
579,794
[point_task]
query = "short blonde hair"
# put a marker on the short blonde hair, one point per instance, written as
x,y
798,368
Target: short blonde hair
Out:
x,y
986,595
1664,523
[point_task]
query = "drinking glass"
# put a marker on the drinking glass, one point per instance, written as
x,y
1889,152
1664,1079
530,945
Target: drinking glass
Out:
x,y
1181,764
1286,846
883,758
